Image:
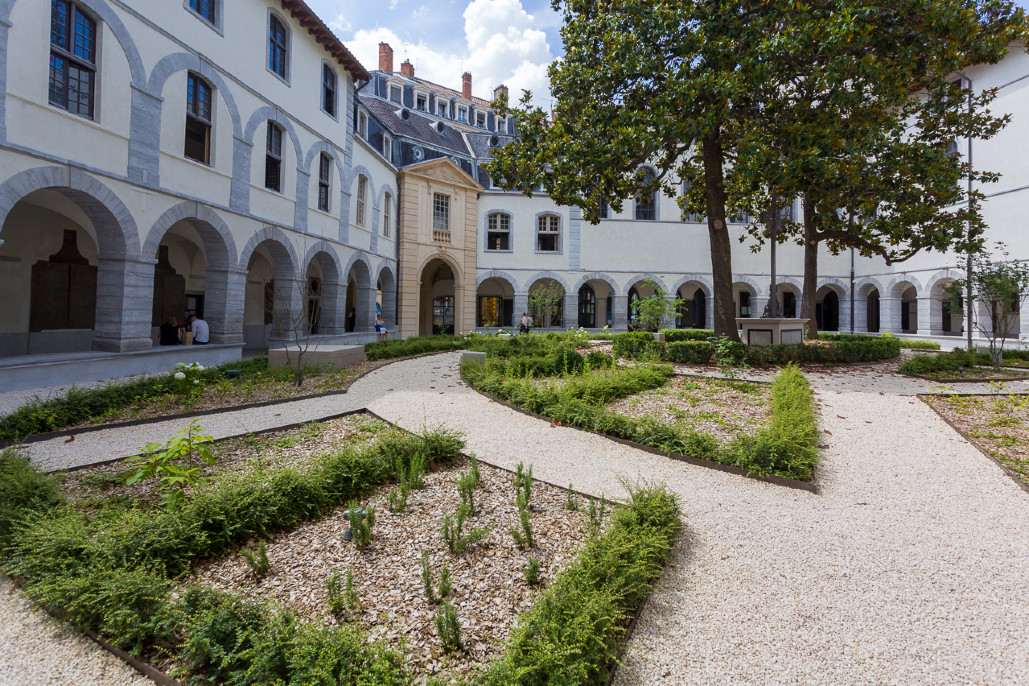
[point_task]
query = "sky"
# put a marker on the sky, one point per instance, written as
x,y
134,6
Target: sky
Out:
x,y
510,42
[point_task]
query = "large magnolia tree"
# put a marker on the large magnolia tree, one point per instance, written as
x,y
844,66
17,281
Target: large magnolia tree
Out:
x,y
689,88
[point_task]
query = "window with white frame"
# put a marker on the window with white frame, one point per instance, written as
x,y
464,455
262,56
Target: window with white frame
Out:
x,y
362,190
273,158
387,214
362,125
205,9
480,119
548,233
462,114
498,231
329,90
441,109
198,119
387,148
441,212
73,46
278,46
502,125
324,181
421,102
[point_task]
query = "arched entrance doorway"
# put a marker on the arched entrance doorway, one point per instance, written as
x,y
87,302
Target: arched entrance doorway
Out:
x,y
495,303
438,311
827,311
693,310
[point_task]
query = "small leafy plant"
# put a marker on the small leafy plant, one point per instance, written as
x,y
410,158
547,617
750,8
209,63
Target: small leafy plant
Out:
x,y
257,559
522,534
570,501
177,465
448,628
595,514
466,483
342,596
453,530
187,378
532,572
361,522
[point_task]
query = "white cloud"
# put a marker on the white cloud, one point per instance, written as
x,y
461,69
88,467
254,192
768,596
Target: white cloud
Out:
x,y
503,46
339,24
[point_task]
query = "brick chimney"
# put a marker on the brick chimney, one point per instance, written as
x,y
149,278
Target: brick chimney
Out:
x,y
466,85
385,58
407,69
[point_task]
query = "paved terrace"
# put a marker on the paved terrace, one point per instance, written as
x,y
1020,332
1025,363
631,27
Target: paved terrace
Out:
x,y
909,567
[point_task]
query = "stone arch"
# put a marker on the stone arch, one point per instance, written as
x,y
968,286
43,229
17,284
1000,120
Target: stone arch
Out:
x,y
500,276
361,170
218,242
330,150
117,234
863,287
547,275
755,289
454,265
267,113
329,251
945,314
327,317
641,277
840,287
702,281
284,257
901,283
596,276
181,61
386,282
931,288
107,15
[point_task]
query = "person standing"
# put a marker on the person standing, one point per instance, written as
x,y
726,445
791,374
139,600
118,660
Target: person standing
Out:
x,y
523,323
201,332
380,327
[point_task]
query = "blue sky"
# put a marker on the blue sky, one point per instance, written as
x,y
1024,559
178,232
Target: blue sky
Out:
x,y
498,41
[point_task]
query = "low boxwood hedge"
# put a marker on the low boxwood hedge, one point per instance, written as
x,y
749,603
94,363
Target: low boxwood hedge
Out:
x,y
675,335
946,362
690,352
637,344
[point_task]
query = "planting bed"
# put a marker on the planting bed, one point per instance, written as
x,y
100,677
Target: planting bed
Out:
x,y
489,585
722,408
999,424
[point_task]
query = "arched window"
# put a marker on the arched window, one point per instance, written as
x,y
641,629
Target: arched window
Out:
x,y
324,181
498,231
328,90
198,119
273,158
587,307
72,58
362,191
646,204
278,46
387,214
634,296
548,233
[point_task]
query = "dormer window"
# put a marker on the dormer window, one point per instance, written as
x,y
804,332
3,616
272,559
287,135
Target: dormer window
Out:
x,y
420,103
480,119
442,109
395,94
502,125
362,125
462,114
387,148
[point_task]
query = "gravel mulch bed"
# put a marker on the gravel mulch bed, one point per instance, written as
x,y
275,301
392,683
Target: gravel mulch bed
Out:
x,y
489,586
290,448
718,407
998,424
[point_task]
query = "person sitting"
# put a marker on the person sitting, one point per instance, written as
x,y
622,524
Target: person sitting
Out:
x,y
201,332
170,334
380,327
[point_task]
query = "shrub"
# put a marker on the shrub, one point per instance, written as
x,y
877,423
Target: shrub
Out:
x,y
949,362
257,559
448,628
636,344
598,359
691,352
677,335
568,361
575,629
453,530
24,490
532,572
419,345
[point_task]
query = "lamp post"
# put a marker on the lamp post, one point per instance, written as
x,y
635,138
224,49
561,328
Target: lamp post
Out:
x,y
772,307
968,258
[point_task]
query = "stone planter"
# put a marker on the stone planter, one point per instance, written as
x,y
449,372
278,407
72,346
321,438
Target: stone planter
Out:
x,y
658,336
771,330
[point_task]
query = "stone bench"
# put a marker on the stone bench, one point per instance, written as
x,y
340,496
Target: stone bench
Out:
x,y
331,355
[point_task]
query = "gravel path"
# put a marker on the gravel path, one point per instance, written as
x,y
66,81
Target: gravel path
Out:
x,y
908,568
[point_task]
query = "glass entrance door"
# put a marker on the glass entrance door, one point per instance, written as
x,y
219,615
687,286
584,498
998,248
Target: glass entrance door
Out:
x,y
443,315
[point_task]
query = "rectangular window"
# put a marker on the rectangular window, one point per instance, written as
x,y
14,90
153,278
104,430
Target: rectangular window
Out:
x,y
198,119
205,8
273,159
441,212
395,94
387,214
72,58
328,90
745,303
362,125
604,209
502,125
498,232
362,188
277,50
323,182
420,103
442,107
548,233
480,119
387,148
462,114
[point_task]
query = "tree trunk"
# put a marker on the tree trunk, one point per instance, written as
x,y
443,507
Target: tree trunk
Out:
x,y
718,237
807,297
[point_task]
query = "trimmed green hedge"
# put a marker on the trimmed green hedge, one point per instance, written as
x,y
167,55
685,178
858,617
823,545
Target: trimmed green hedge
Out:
x,y
637,344
675,335
690,352
776,450
113,574
947,362
415,345
845,348
577,626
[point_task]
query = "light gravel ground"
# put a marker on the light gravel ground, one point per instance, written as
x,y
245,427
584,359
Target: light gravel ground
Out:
x,y
909,568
